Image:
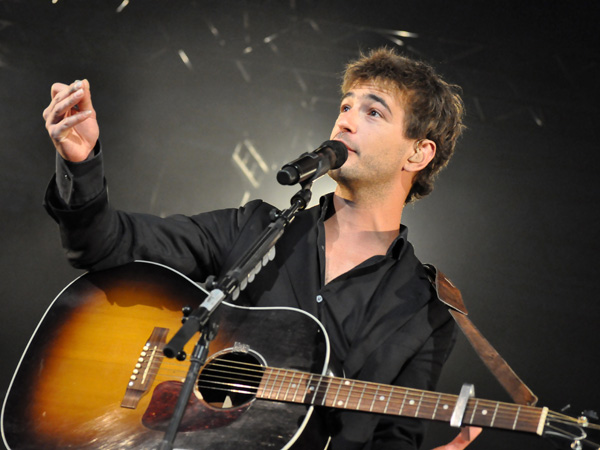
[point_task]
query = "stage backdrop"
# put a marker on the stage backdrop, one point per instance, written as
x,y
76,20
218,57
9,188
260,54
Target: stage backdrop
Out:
x,y
200,102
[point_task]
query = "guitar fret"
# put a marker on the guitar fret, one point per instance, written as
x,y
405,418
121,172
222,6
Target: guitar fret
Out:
x,y
374,398
388,400
516,417
290,384
327,392
361,396
474,410
298,384
273,384
411,403
403,401
436,407
281,383
419,405
316,389
448,405
265,382
334,403
494,416
349,392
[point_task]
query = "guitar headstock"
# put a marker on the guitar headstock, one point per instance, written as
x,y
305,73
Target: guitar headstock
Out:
x,y
573,430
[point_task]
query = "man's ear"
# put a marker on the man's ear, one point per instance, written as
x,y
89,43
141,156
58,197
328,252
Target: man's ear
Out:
x,y
423,153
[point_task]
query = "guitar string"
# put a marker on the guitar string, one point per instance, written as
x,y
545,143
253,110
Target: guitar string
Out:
x,y
426,398
340,383
559,417
345,392
525,411
419,411
380,390
507,409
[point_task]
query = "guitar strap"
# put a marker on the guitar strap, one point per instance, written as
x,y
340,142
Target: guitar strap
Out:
x,y
451,297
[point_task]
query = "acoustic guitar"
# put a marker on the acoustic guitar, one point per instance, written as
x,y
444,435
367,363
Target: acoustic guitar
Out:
x,y
94,376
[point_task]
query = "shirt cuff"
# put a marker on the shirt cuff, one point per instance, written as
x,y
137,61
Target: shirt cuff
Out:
x,y
80,182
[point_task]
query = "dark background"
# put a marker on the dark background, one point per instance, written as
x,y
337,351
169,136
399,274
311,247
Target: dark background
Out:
x,y
513,221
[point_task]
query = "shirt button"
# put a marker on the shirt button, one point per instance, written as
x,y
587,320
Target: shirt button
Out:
x,y
319,298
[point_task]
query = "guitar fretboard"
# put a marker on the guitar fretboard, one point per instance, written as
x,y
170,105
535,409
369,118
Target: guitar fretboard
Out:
x,y
310,389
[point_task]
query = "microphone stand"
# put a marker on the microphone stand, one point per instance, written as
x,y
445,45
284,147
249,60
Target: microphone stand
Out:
x,y
229,286
197,360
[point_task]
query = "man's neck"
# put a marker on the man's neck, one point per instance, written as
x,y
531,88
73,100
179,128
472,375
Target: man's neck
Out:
x,y
357,231
381,213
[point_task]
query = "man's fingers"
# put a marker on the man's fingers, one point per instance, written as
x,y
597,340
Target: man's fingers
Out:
x,y
60,131
56,88
60,91
64,101
86,100
469,433
462,439
465,437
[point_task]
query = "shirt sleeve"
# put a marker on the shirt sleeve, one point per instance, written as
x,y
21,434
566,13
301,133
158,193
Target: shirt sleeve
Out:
x,y
96,236
79,182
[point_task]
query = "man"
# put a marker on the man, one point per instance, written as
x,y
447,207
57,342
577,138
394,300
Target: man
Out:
x,y
359,275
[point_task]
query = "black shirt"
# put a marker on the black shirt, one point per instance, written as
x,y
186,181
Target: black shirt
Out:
x,y
383,318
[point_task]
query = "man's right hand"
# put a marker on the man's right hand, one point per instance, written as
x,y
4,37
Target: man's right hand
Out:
x,y
71,120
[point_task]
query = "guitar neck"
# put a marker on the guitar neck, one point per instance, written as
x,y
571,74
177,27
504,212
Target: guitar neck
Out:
x,y
333,392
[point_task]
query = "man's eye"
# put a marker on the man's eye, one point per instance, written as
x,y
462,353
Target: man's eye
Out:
x,y
374,113
344,108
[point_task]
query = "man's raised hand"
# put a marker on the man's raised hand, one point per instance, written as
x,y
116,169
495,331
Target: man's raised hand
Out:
x,y
71,120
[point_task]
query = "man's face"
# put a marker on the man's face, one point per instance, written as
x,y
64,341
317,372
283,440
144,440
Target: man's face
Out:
x,y
371,124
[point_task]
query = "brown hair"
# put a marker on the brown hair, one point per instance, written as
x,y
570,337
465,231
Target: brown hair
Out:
x,y
434,109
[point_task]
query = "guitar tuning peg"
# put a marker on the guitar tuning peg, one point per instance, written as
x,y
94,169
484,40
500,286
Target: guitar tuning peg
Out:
x,y
181,356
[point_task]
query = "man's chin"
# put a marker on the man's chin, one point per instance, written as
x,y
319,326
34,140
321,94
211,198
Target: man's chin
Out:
x,y
344,175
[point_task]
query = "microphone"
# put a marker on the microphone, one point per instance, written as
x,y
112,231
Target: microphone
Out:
x,y
330,155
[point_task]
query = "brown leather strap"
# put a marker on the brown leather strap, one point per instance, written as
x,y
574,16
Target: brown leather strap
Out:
x,y
451,296
509,380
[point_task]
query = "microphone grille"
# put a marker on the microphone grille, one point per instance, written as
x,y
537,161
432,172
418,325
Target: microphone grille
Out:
x,y
340,151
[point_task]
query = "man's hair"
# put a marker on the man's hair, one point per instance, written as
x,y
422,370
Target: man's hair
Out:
x,y
434,109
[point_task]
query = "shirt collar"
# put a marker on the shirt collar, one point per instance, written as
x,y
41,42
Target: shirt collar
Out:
x,y
395,249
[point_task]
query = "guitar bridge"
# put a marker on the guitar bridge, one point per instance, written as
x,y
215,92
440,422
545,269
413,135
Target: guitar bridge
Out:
x,y
145,368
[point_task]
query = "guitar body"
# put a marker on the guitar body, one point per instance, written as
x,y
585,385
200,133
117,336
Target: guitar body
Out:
x,y
93,375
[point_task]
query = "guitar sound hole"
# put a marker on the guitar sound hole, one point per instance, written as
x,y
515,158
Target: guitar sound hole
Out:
x,y
230,380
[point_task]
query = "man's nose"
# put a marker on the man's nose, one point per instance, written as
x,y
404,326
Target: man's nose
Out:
x,y
347,122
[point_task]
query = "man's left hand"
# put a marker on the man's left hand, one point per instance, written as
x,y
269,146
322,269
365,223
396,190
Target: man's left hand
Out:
x,y
462,440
